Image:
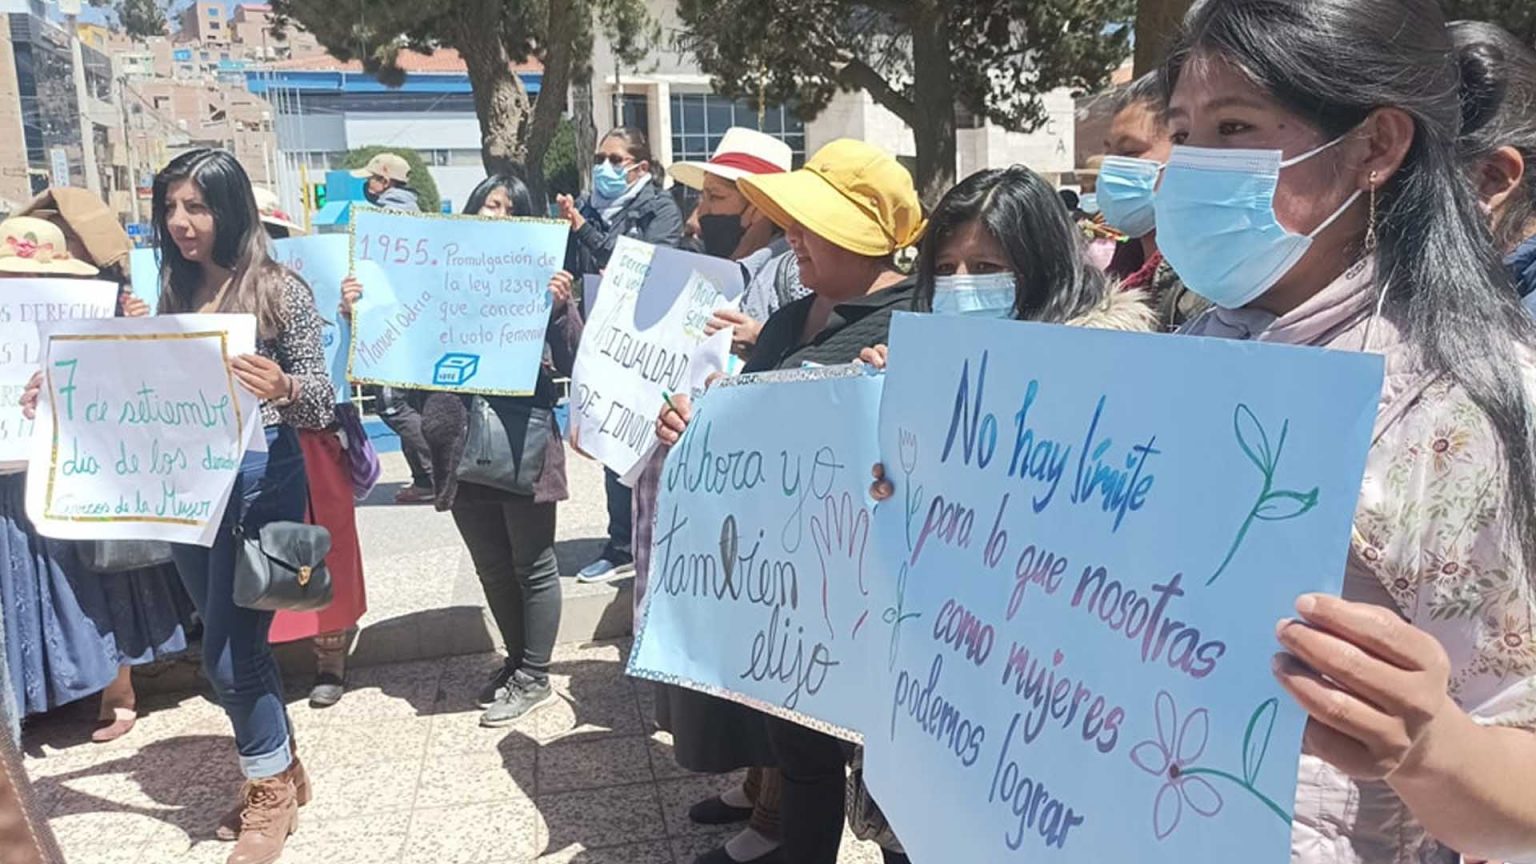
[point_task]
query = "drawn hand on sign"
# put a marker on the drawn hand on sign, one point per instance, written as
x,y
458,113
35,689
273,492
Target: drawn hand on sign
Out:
x,y
841,533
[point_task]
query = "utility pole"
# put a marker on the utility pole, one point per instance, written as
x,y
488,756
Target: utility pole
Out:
x,y
133,171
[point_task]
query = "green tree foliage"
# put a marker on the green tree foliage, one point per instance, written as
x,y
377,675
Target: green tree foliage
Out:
x,y
1516,16
492,36
1157,23
561,170
920,59
421,179
140,19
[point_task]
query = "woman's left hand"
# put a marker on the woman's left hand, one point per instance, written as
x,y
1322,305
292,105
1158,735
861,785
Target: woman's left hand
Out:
x,y
1375,687
262,377
560,287
132,305
30,395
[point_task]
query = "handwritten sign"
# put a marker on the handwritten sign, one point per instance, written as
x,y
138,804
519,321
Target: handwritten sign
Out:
x,y
641,334
24,304
461,303
763,584
322,261
1088,573
141,427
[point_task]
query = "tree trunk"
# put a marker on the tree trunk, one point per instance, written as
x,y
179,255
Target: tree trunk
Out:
x,y
933,120
566,20
582,109
501,102
1157,21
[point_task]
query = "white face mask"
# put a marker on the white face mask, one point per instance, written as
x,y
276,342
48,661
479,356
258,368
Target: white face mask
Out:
x,y
985,295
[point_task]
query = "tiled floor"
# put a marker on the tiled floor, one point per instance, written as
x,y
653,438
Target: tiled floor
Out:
x,y
402,773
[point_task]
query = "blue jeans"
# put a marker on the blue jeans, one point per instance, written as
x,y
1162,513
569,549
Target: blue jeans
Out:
x,y
271,487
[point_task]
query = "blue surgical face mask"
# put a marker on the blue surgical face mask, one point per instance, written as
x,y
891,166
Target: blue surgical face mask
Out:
x,y
1126,189
609,181
986,295
1088,203
1216,222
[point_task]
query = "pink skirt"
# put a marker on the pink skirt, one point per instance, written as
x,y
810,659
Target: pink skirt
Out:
x,y
330,489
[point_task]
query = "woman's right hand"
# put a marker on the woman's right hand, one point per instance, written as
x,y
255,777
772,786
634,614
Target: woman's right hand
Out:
x,y
570,212
351,292
882,488
875,356
674,418
29,396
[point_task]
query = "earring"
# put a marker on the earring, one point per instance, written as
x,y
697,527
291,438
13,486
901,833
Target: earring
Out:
x,y
1370,229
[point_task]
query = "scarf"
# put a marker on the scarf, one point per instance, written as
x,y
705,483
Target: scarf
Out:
x,y
610,209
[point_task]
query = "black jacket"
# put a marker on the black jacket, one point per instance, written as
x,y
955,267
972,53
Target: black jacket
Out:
x,y
652,217
852,327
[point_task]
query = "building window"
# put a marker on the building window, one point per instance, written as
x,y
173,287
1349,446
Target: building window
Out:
x,y
635,112
699,120
214,25
213,11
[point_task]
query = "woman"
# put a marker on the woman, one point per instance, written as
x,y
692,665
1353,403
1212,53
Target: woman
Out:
x,y
1422,686
510,534
214,258
1498,139
70,632
625,202
710,735
845,252
332,507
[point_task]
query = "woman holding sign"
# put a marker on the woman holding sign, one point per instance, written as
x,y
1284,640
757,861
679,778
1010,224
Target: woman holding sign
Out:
x,y
1315,197
845,215
214,258
69,631
626,201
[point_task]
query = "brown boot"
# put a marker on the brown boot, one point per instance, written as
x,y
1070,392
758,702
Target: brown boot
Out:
x,y
229,825
271,814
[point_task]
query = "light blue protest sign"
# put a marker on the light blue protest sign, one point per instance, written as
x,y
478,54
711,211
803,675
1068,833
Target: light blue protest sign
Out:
x,y
322,261
460,303
762,584
1092,537
144,276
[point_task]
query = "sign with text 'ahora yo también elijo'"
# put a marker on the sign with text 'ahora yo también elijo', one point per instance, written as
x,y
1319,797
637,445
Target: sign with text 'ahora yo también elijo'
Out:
x,y
648,322
1088,572
24,304
763,584
452,303
141,427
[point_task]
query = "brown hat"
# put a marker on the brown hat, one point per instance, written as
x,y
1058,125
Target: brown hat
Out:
x,y
90,228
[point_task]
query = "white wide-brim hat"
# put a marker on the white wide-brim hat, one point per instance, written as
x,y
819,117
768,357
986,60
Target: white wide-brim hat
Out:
x,y
742,153
271,210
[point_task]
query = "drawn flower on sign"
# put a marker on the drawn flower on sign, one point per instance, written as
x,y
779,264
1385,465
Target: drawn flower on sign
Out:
x,y
1169,757
908,445
1273,505
1177,748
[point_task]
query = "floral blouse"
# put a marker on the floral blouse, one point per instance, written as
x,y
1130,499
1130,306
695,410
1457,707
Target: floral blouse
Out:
x,y
300,349
1432,540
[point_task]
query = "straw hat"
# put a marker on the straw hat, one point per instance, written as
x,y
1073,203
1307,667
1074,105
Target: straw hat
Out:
x,y
742,153
90,227
853,195
271,210
36,247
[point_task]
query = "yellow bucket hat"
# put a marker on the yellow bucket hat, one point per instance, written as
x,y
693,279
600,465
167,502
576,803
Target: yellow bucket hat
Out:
x,y
852,195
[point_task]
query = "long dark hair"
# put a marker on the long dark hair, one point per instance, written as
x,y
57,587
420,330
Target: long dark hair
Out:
x,y
517,192
1444,285
1054,280
1499,110
240,242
